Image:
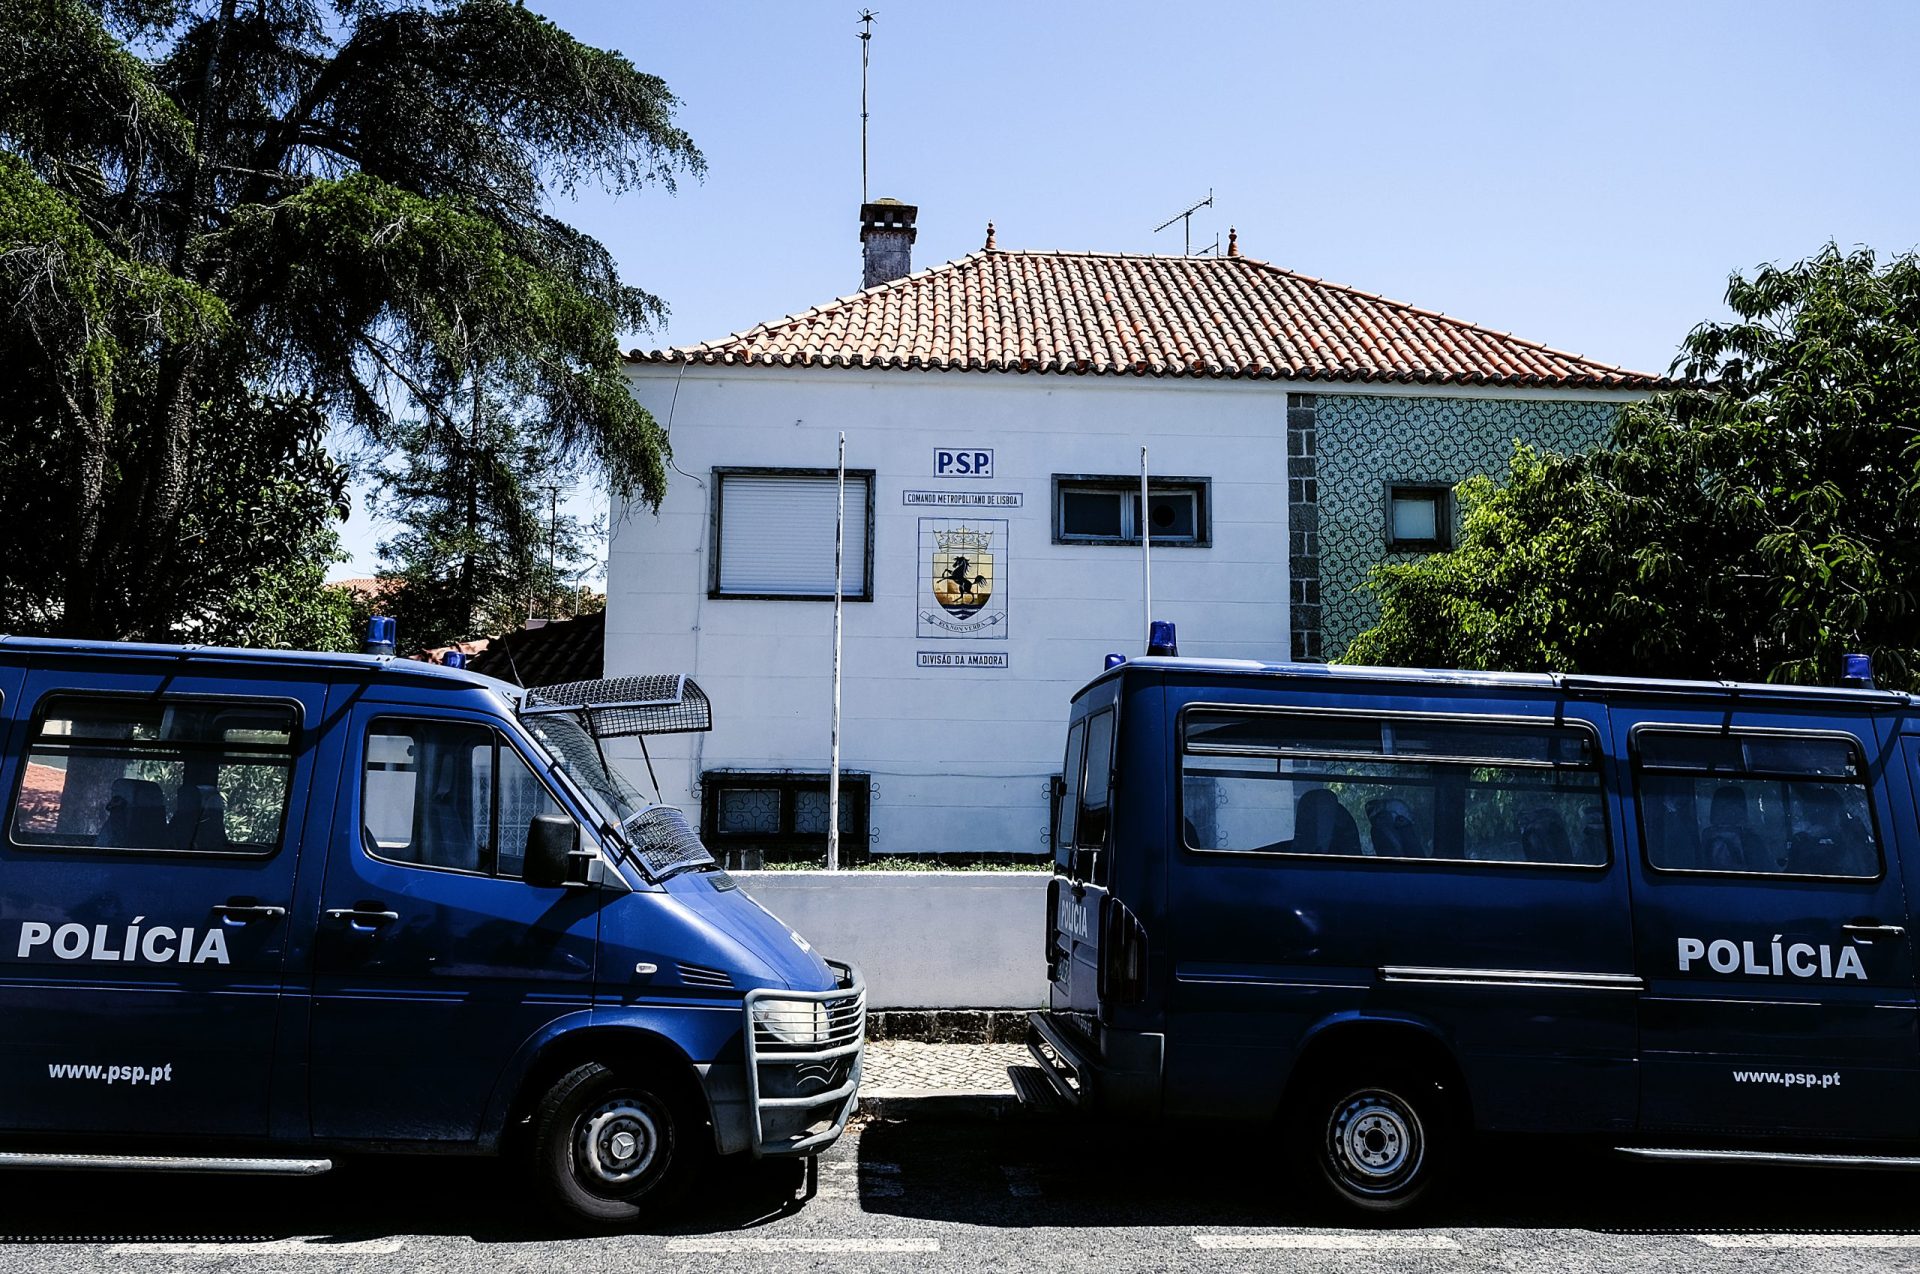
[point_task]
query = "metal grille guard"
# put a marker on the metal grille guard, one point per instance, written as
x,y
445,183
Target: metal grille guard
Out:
x,y
623,707
846,1035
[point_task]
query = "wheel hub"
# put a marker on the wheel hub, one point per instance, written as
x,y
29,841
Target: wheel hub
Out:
x,y
617,1142
1375,1141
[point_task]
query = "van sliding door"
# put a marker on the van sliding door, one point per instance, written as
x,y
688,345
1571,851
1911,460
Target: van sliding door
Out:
x,y
149,864
1772,928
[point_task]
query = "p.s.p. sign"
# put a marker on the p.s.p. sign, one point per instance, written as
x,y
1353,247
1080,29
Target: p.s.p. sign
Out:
x,y
962,462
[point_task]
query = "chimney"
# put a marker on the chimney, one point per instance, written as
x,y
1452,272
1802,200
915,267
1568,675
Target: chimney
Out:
x,y
886,228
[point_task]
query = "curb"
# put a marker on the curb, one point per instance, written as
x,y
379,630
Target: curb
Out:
x,y
925,1105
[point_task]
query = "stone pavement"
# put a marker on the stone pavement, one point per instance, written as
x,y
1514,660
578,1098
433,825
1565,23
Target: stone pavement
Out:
x,y
911,1068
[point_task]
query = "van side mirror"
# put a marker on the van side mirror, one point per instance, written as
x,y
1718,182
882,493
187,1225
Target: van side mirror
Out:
x,y
552,842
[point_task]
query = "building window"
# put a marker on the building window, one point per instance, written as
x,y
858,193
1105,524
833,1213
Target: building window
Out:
x,y
1105,509
773,534
781,818
1419,517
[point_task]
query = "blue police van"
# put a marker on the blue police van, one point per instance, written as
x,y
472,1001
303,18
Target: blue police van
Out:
x,y
258,909
1373,911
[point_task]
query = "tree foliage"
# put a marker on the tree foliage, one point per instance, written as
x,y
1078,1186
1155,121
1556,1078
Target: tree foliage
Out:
x,y
1754,526
483,543
226,227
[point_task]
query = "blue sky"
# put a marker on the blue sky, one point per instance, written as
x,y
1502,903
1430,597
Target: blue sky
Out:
x,y
1586,176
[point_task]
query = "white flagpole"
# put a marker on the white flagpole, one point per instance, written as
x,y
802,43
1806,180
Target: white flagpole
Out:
x,y
1146,553
839,559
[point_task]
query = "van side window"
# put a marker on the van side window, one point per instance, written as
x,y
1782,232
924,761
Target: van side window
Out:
x,y
196,776
1072,775
1787,805
1361,786
448,794
1098,789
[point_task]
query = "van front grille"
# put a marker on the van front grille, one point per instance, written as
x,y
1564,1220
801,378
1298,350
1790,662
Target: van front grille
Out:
x,y
696,975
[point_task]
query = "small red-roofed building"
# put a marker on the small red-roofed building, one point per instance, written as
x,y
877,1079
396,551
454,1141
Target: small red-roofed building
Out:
x,y
995,408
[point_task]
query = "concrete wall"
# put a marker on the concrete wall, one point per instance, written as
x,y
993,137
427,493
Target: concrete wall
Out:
x,y
924,940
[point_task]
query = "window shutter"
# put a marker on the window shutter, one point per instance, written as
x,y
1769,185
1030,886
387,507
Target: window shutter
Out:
x,y
776,535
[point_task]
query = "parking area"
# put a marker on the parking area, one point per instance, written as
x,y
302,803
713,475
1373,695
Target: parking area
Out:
x,y
1008,1194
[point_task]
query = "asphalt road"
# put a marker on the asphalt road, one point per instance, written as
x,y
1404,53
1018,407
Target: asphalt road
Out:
x,y
1023,1194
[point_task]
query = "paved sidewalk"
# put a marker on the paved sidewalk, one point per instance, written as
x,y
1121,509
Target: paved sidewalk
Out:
x,y
911,1079
912,1068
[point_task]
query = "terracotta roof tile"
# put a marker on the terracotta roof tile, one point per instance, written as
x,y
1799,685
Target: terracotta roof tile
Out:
x,y
1086,313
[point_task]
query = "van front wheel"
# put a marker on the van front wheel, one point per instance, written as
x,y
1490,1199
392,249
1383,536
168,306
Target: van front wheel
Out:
x,y
1377,1141
603,1146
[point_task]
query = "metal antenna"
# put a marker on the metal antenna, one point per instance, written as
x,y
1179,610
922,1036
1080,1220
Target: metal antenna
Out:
x,y
1187,217
866,42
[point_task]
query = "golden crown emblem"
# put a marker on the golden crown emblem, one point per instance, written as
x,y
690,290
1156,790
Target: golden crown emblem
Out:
x,y
963,539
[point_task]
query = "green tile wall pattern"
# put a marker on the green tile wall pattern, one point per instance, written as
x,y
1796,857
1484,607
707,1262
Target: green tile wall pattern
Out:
x,y
1346,449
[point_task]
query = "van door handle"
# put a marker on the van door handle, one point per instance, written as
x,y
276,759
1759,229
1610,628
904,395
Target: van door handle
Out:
x,y
248,911
357,916
1869,931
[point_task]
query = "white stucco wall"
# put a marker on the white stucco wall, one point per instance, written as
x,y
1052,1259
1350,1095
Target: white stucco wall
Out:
x,y
959,757
924,940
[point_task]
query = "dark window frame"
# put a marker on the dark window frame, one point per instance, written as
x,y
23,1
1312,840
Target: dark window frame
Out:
x,y
297,744
1200,488
1594,764
787,845
1864,781
1442,494
501,740
716,509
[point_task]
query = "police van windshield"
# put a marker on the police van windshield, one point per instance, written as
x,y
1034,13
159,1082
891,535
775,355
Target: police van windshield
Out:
x,y
662,842
574,754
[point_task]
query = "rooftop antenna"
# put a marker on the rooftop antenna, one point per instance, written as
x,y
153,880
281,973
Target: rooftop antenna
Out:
x,y
1186,216
866,43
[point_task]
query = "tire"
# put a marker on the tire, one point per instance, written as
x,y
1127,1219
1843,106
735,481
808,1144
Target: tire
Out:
x,y
605,1147
1375,1141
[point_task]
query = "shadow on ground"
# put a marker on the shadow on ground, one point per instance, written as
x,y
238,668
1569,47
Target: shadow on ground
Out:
x,y
1013,1173
1062,1171
360,1200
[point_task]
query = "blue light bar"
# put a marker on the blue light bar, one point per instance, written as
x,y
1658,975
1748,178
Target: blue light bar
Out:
x,y
1115,659
454,659
1856,671
382,633
1160,638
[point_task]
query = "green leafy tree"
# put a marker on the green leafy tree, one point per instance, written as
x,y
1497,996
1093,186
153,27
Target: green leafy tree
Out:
x,y
483,543
225,226
1755,527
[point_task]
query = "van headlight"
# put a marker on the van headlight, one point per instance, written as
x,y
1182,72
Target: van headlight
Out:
x,y
801,1022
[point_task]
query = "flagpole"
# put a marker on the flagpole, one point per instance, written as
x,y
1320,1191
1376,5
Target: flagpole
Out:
x,y
839,560
1146,553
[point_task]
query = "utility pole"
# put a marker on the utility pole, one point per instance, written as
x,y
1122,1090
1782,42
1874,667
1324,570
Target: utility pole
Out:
x,y
866,40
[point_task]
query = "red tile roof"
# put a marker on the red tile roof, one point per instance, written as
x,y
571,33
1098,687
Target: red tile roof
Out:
x,y
1089,313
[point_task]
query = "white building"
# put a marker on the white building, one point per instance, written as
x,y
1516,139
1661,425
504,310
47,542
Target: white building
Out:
x,y
995,408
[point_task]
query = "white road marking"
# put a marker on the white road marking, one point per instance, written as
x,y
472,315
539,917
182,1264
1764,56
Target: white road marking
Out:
x,y
271,1247
1022,1181
1327,1241
1809,1240
823,1247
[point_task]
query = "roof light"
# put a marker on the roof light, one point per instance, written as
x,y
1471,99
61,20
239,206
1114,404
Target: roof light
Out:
x,y
1160,638
1115,659
382,633
454,659
1856,671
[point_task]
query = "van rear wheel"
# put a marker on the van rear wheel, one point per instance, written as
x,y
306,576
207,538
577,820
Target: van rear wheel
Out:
x,y
1375,1140
604,1144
